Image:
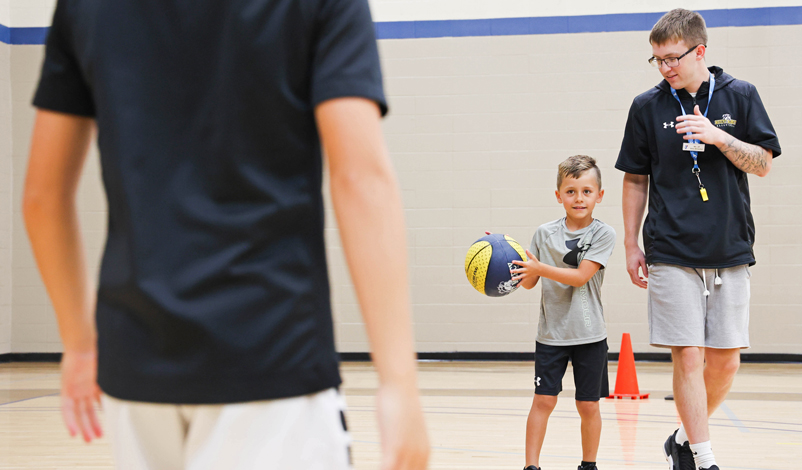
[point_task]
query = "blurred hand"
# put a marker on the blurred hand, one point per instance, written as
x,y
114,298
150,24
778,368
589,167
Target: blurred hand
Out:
x,y
79,394
636,261
404,441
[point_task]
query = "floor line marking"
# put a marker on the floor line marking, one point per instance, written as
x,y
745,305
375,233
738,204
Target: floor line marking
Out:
x,y
731,414
31,398
522,414
660,464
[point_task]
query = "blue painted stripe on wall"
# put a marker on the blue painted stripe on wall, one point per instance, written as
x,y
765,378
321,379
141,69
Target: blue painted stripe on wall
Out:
x,y
29,35
22,36
768,16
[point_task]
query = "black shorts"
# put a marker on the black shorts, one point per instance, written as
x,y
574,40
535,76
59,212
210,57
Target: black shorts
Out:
x,y
590,369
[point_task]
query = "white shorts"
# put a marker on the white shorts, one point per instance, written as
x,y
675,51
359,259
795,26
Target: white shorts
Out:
x,y
680,314
287,434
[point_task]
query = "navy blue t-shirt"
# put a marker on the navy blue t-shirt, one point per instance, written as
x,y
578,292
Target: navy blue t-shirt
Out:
x,y
213,286
680,228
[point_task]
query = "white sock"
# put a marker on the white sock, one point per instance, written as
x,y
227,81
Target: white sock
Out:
x,y
703,455
682,436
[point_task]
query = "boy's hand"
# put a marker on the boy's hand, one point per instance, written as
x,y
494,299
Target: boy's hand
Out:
x,y
528,268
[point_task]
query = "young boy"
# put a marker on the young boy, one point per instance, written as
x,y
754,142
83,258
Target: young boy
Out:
x,y
570,254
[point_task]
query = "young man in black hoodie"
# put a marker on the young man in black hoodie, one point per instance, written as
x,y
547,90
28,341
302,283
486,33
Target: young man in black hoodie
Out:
x,y
689,144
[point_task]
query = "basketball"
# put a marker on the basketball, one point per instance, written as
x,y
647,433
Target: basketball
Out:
x,y
488,264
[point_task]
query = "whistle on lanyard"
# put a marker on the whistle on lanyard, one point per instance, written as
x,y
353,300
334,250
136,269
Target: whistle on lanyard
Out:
x,y
702,189
694,146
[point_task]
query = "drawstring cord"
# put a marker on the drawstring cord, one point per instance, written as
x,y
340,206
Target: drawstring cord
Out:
x,y
717,281
706,293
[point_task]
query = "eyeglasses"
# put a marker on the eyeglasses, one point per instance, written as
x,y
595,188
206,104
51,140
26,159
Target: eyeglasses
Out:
x,y
670,61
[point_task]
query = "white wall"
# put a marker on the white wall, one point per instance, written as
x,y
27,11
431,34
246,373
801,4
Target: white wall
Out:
x,y
5,195
27,13
5,12
410,10
477,127
32,13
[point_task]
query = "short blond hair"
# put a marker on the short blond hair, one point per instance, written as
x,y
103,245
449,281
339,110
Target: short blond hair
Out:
x,y
679,25
574,166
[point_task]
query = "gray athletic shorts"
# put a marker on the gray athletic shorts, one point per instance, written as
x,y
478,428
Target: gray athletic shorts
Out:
x,y
680,314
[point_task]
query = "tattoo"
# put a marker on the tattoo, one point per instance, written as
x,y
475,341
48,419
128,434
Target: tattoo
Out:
x,y
746,157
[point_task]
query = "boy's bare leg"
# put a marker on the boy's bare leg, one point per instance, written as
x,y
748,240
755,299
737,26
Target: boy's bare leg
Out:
x,y
542,406
720,368
591,428
690,393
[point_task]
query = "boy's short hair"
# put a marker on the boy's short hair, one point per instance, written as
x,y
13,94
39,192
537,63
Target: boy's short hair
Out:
x,y
680,25
574,167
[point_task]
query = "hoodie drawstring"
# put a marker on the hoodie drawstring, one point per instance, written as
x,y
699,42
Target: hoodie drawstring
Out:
x,y
718,280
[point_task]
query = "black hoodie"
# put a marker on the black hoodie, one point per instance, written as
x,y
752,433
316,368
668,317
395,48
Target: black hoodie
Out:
x,y
681,228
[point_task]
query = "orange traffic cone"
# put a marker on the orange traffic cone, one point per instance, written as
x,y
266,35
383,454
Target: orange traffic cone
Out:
x,y
626,379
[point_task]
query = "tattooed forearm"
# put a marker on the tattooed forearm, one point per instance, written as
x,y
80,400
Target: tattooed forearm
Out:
x,y
747,157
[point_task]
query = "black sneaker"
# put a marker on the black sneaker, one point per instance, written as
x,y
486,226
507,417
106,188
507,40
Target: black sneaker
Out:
x,y
587,468
679,457
714,467
532,467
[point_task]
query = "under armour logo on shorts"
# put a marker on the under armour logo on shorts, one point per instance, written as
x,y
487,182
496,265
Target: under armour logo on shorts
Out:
x,y
537,381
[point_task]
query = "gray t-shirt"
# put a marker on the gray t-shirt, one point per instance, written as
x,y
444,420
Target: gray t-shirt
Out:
x,y
572,315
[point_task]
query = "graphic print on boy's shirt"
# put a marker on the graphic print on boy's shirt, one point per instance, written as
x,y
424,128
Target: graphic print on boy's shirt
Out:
x,y
577,253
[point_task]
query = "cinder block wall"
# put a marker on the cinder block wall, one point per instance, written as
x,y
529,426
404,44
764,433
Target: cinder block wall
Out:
x,y
5,196
477,128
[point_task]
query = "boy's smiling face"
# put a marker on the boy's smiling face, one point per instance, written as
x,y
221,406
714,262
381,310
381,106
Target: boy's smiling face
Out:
x,y
579,196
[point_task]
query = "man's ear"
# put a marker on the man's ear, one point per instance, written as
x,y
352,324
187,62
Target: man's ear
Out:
x,y
701,50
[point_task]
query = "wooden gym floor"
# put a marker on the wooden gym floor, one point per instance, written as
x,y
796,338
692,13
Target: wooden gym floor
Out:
x,y
476,414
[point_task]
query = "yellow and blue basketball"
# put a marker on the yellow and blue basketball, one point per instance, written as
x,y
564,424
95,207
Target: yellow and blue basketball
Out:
x,y
488,264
